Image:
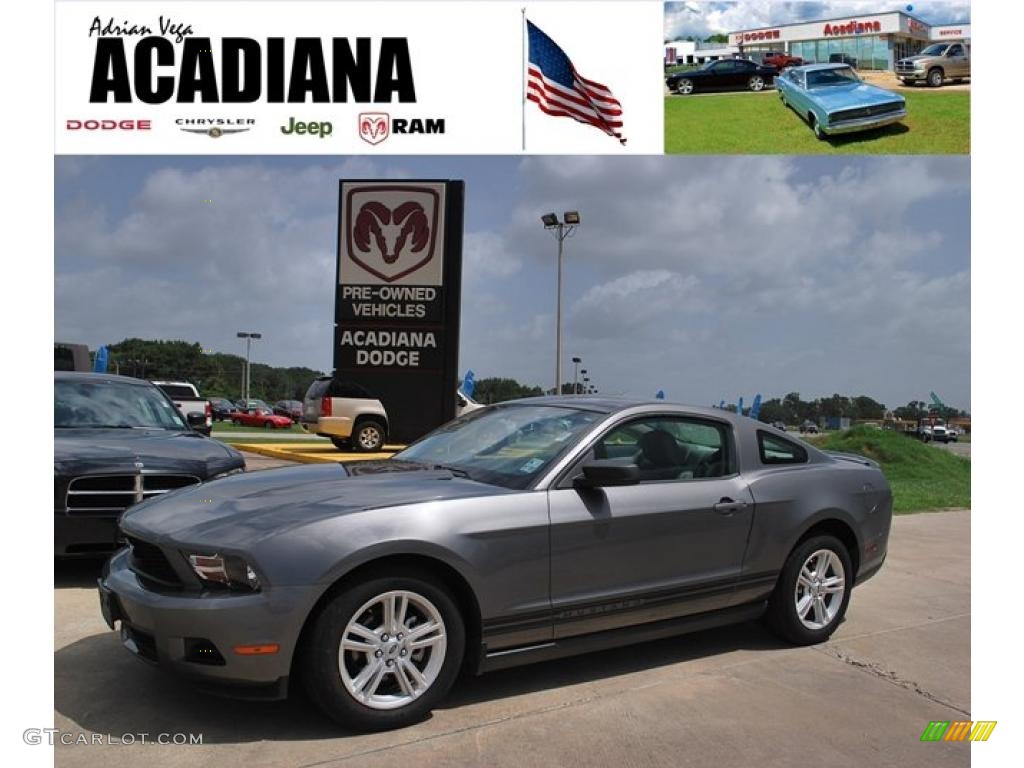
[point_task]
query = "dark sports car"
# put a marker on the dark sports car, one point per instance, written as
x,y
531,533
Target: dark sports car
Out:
x,y
118,441
723,74
519,532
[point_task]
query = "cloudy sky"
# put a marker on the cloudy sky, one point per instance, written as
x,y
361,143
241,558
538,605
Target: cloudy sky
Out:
x,y
701,19
709,278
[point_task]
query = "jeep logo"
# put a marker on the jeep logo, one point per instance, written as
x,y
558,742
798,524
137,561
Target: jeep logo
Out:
x,y
321,130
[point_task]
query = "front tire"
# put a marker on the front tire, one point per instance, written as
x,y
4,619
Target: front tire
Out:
x,y
684,87
935,77
383,652
813,591
756,83
816,127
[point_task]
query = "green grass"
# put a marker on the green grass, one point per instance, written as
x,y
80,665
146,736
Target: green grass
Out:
x,y
226,427
923,477
937,122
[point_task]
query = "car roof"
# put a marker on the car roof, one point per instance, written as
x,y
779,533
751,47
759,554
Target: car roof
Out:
x,y
86,376
607,404
820,67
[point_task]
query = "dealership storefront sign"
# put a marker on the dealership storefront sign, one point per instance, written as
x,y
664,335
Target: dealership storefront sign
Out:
x,y
397,297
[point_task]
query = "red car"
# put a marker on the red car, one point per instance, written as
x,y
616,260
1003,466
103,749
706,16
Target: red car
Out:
x,y
781,60
260,417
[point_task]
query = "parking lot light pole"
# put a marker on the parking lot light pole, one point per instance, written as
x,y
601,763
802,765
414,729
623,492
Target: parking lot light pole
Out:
x,y
248,336
561,230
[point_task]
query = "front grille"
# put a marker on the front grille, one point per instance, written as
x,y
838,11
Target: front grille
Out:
x,y
905,68
150,563
113,494
861,112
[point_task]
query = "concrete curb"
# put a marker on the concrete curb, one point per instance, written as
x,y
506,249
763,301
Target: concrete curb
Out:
x,y
311,454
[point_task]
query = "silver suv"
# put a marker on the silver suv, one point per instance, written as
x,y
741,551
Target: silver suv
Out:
x,y
346,413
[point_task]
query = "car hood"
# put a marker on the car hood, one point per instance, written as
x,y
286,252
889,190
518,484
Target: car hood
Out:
x,y
851,96
911,59
240,510
90,451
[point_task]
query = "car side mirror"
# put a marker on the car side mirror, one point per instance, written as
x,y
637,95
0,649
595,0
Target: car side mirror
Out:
x,y
196,419
598,473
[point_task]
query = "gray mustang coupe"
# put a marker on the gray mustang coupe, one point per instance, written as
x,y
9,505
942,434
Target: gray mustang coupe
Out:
x,y
519,532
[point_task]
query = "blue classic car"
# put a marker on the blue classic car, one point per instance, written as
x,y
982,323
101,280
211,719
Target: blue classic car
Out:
x,y
833,100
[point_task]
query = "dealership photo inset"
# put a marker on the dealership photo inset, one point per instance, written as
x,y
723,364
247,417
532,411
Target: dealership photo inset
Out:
x,y
780,78
419,459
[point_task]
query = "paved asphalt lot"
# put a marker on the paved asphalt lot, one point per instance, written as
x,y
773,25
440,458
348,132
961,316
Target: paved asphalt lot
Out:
x,y
723,697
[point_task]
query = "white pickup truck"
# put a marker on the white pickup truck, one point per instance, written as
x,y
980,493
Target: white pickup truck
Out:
x,y
187,400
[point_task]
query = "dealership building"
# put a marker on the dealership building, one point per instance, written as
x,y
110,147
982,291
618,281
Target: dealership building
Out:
x,y
874,41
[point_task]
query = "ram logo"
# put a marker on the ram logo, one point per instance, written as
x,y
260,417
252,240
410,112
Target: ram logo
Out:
x,y
392,229
374,127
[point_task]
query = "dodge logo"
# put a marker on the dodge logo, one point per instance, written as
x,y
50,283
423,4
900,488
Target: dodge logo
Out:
x,y
374,127
391,230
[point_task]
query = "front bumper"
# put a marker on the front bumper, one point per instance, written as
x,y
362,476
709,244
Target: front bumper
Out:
x,y
864,123
166,629
84,535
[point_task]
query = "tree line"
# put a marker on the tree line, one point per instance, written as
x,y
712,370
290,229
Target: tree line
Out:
x,y
792,409
215,374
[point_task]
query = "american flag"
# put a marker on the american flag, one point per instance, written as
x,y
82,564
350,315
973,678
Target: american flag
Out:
x,y
558,89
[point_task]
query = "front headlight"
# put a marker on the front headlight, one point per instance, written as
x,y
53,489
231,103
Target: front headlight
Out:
x,y
918,65
225,474
225,572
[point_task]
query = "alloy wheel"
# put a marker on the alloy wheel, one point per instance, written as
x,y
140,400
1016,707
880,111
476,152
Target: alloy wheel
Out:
x,y
684,87
369,438
392,650
756,83
820,587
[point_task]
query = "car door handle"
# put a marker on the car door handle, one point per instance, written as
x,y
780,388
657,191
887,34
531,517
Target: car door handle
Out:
x,y
727,506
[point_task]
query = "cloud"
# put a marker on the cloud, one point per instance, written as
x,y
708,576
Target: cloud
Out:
x,y
702,19
706,276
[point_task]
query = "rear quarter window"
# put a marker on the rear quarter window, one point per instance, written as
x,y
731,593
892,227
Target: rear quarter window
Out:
x,y
178,391
777,450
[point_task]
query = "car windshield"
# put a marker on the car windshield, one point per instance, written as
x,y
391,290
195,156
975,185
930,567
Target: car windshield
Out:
x,y
826,78
935,50
503,445
104,404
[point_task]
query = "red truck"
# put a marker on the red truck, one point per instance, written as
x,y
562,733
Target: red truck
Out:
x,y
781,60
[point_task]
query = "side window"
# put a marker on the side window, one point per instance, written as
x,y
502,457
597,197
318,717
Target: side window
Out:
x,y
776,450
956,50
669,448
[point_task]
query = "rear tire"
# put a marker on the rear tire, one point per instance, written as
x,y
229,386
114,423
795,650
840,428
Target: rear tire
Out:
x,y
369,669
368,436
813,591
684,87
756,83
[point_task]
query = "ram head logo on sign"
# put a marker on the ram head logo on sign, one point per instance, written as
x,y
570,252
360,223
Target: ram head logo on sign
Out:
x,y
374,127
392,234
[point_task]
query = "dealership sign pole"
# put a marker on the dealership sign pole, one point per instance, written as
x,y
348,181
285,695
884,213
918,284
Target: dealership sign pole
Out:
x,y
397,298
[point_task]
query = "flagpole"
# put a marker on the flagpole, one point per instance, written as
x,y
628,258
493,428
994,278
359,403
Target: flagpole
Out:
x,y
522,72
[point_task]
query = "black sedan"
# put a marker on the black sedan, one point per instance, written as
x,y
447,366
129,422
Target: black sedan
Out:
x,y
724,74
290,408
118,441
222,408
